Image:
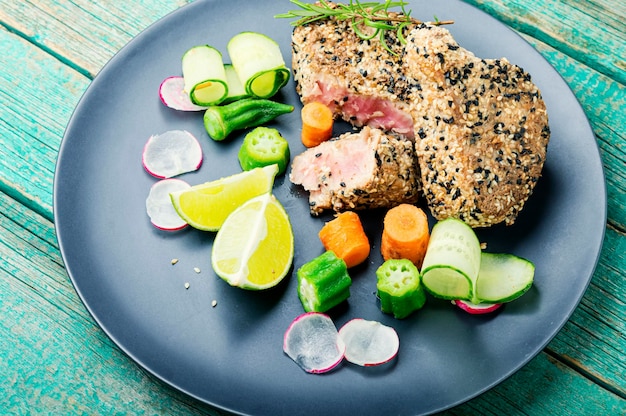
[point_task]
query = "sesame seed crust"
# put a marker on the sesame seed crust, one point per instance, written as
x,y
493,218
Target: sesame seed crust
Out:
x,y
483,130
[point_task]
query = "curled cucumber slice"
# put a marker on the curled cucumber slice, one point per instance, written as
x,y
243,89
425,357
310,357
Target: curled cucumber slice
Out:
x,y
204,75
455,268
503,278
452,260
236,91
259,63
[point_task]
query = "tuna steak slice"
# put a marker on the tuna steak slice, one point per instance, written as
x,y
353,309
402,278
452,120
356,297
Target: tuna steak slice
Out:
x,y
369,169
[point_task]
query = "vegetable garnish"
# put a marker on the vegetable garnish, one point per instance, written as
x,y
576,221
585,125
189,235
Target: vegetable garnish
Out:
x,y
317,123
313,342
172,153
172,94
159,206
344,235
222,120
455,268
502,278
204,74
254,248
399,288
264,146
477,309
369,343
405,234
236,91
323,283
206,206
259,63
368,20
452,260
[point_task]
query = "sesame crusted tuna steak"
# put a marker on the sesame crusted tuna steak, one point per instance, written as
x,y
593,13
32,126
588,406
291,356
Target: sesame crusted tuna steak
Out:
x,y
369,169
480,125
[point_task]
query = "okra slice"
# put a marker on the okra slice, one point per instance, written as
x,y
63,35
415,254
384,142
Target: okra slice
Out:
x,y
323,283
399,288
264,146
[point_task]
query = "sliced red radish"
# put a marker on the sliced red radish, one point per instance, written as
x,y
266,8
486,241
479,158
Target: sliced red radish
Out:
x,y
172,94
159,205
313,342
476,308
172,153
369,343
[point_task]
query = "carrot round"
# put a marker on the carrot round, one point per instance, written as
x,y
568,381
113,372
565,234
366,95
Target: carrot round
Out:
x,y
317,123
405,234
344,235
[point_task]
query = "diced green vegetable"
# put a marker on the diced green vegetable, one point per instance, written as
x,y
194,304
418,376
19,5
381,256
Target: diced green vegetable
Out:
x,y
220,121
323,283
259,63
264,146
204,75
399,288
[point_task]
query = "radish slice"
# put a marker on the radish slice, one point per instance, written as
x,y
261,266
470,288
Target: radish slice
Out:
x,y
172,94
159,205
313,342
476,308
369,343
172,153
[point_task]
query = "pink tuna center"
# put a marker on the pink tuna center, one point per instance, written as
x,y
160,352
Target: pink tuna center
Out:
x,y
364,110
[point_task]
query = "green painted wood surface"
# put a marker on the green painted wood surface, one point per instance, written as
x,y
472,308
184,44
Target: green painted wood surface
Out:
x,y
53,357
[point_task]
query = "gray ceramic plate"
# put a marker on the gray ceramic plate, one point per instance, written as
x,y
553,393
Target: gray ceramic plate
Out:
x,y
231,355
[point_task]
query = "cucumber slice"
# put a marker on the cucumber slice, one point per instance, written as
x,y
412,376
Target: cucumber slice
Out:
x,y
450,267
204,75
503,278
236,91
259,63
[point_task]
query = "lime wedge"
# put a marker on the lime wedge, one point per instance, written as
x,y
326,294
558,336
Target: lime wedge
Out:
x,y
207,206
254,248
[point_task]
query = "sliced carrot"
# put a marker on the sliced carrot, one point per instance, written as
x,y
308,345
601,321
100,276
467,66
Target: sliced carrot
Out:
x,y
405,234
344,235
317,123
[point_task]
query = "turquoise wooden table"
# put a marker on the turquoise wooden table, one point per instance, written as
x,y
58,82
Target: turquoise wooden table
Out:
x,y
53,356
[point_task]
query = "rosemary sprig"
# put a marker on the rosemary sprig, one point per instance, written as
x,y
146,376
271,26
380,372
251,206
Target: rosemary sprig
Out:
x,y
373,15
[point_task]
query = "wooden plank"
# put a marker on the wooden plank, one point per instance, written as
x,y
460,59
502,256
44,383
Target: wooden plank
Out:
x,y
544,387
98,29
571,27
37,95
53,357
